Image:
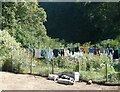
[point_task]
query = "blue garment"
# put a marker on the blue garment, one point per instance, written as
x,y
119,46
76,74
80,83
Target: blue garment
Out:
x,y
42,52
119,52
91,50
49,55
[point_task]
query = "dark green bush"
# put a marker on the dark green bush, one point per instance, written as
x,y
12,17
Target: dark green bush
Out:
x,y
13,57
117,67
7,65
61,62
10,66
82,66
114,77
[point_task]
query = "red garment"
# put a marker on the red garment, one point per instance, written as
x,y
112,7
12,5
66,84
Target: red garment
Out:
x,y
95,51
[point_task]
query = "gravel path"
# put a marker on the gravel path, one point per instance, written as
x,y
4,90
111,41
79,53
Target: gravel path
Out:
x,y
10,81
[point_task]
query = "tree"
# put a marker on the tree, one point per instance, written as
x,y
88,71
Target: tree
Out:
x,y
83,22
24,21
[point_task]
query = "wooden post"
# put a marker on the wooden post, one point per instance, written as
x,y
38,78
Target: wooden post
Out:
x,y
11,63
52,66
31,66
106,72
79,66
30,59
12,60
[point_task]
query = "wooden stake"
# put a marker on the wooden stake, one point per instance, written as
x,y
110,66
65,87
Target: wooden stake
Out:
x,y
52,66
106,72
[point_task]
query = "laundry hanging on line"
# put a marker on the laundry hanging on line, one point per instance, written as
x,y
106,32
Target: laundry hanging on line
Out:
x,y
119,52
115,55
37,53
91,50
61,52
42,52
49,54
86,50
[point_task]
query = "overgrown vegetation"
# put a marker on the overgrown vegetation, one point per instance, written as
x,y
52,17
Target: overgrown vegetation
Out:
x,y
12,57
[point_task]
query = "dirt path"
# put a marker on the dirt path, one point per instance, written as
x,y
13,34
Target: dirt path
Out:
x,y
11,81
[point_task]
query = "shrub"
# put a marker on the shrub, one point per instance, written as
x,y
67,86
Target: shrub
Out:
x,y
13,56
114,77
117,67
90,75
7,65
61,62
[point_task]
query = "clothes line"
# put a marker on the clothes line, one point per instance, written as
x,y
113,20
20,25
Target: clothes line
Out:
x,y
50,53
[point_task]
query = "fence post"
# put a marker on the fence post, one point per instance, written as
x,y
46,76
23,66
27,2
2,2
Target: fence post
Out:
x,y
11,63
12,60
79,66
52,66
31,67
30,59
106,72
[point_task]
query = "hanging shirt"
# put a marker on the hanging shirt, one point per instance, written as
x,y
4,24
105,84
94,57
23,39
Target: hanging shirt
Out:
x,y
82,49
37,53
98,51
56,52
91,50
107,51
110,51
73,50
76,49
42,52
62,52
119,52
86,50
101,50
33,51
95,51
69,50
49,54
66,52
115,55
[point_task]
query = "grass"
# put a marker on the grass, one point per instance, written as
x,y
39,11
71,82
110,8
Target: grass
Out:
x,y
91,75
1,65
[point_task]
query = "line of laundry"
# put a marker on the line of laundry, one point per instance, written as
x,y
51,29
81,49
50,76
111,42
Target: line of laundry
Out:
x,y
50,53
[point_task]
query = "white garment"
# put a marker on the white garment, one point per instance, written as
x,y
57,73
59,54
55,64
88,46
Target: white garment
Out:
x,y
66,52
37,53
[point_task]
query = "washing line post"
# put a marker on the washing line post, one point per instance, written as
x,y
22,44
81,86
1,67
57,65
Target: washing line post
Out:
x,y
30,62
11,57
52,66
79,65
106,72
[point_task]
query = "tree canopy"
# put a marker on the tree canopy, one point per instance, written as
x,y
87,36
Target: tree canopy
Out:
x,y
24,21
83,22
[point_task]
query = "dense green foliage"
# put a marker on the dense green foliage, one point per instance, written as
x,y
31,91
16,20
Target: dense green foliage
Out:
x,y
13,58
83,22
24,21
